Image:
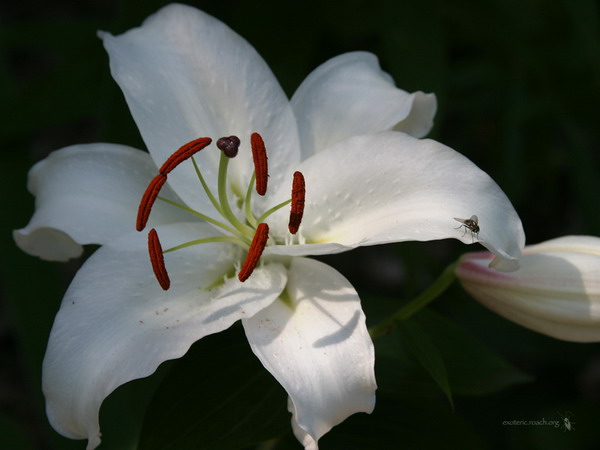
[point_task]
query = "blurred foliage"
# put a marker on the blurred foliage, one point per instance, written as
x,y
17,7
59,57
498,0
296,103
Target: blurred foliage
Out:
x,y
518,84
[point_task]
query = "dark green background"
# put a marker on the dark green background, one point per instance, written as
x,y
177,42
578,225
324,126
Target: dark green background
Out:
x,y
518,85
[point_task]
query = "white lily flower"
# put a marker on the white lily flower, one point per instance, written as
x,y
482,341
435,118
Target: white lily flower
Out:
x,y
186,75
555,292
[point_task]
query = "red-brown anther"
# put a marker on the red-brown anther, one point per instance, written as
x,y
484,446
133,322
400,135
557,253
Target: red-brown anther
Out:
x,y
259,155
157,259
259,242
148,200
297,208
229,145
184,152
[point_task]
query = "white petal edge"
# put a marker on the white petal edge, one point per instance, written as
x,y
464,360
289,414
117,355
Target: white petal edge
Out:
x,y
318,347
391,187
116,324
573,244
186,75
350,95
557,328
88,194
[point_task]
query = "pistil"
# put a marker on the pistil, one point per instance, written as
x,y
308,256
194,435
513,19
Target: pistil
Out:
x,y
224,198
229,145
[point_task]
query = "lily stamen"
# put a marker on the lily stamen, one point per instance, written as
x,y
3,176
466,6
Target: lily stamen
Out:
x,y
184,152
298,197
148,200
259,242
259,156
157,259
253,234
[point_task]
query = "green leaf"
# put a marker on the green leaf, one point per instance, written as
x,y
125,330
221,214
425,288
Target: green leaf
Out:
x,y
474,368
427,353
216,397
471,367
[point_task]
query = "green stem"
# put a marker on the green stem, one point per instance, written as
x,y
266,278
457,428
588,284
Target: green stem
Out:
x,y
416,304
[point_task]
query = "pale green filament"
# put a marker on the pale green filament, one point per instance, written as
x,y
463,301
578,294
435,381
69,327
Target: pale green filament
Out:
x,y
241,233
231,239
273,209
209,193
202,216
248,203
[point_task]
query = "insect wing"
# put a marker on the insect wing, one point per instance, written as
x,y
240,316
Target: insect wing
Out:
x,y
471,224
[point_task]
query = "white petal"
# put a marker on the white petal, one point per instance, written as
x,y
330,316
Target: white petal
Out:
x,y
307,441
391,187
557,328
316,344
307,249
556,291
568,244
420,120
116,324
88,194
186,75
350,95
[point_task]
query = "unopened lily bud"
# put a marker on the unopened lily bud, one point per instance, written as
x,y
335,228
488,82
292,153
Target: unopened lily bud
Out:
x,y
555,292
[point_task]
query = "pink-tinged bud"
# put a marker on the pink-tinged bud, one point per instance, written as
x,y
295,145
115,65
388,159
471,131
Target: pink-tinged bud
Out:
x,y
555,292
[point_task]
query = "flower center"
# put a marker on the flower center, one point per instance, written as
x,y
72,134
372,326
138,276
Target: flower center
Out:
x,y
250,233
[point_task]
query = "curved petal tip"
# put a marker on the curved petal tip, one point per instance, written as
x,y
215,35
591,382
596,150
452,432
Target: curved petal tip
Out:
x,y
47,243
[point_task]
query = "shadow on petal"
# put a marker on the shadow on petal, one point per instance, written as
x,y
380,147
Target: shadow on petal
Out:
x,y
341,335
